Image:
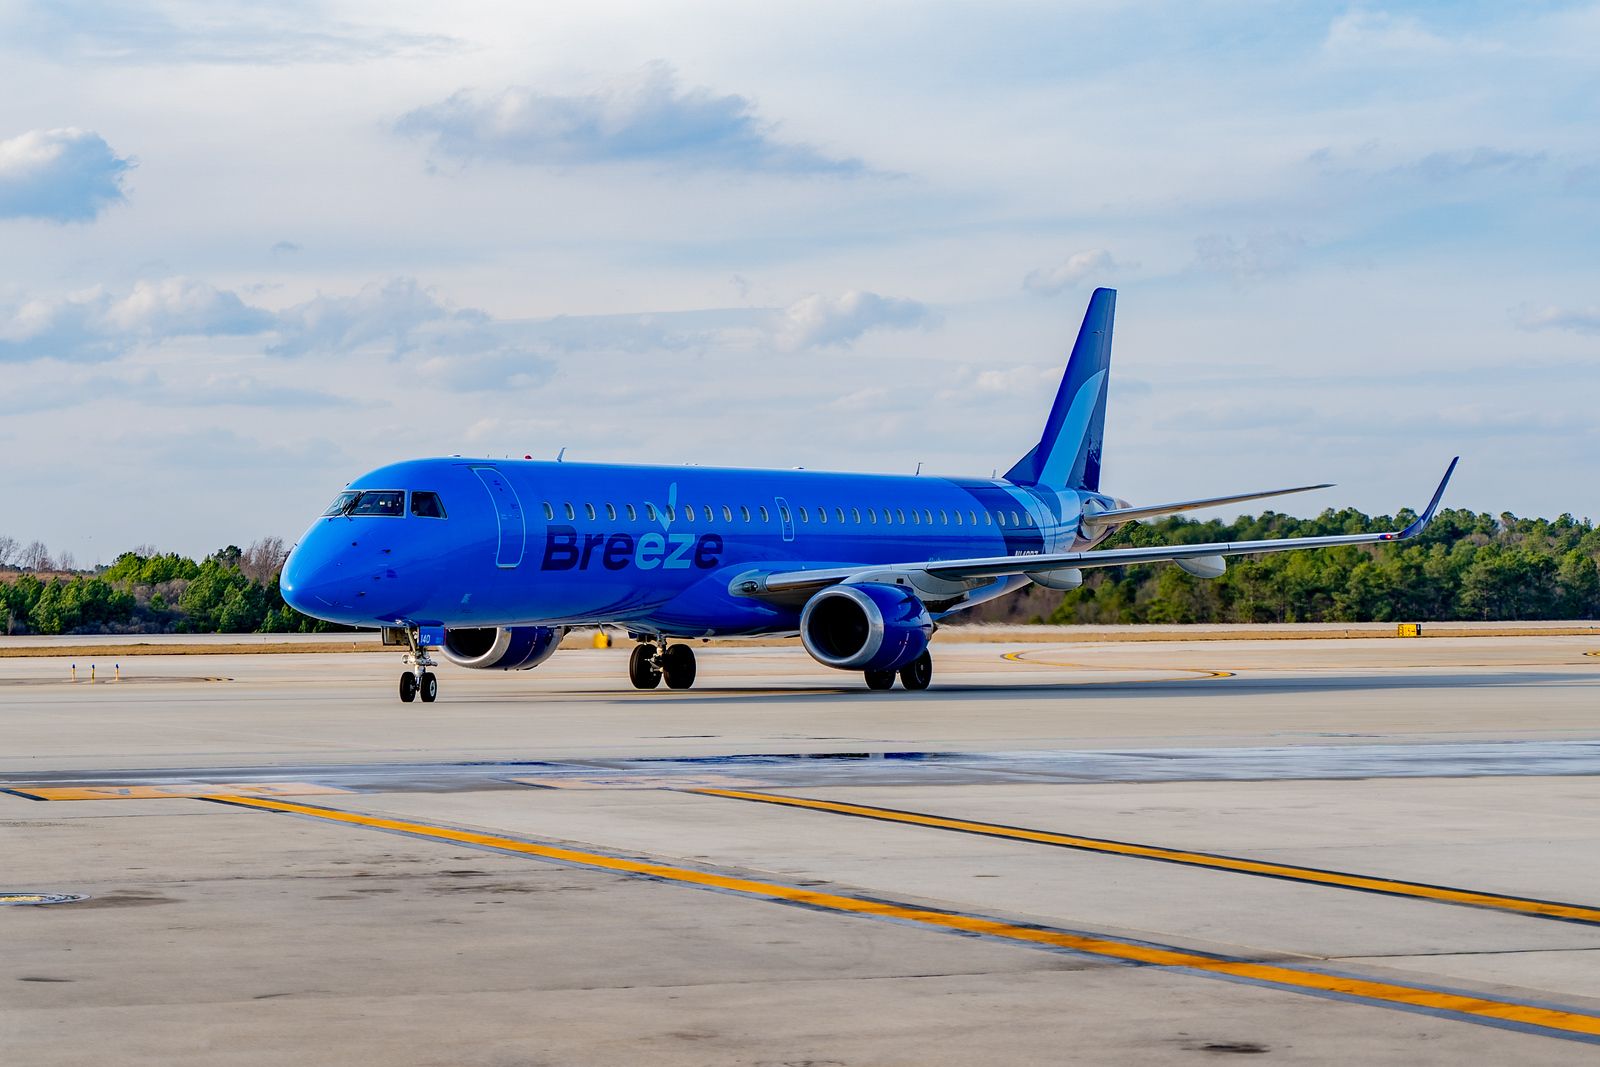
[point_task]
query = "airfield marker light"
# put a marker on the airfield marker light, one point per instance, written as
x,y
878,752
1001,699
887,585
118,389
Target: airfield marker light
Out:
x,y
74,670
91,674
118,666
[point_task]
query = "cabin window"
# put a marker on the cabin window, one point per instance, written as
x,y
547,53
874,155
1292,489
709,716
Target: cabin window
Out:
x,y
803,516
549,512
390,502
839,513
688,513
711,516
764,516
650,511
872,517
914,519
633,516
899,516
611,512
855,516
822,515
427,505
341,503
727,513
783,512
1015,520
588,512
988,518
927,516
944,517
958,518
672,513
1002,516
567,507
744,513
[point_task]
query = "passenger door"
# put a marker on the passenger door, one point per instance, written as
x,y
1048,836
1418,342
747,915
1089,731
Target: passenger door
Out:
x,y
785,517
508,514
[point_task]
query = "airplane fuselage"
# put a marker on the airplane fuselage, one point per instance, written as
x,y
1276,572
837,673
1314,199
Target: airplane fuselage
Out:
x,y
650,548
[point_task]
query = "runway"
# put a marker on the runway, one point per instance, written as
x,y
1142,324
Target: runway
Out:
x,y
1363,849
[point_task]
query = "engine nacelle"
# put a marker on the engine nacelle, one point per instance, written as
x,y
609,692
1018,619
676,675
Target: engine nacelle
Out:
x,y
867,627
501,648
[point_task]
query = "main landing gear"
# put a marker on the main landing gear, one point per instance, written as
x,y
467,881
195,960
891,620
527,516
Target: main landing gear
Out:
x,y
914,675
422,683
654,662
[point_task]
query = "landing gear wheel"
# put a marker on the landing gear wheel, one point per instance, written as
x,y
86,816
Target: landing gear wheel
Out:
x,y
916,674
677,664
428,686
408,687
880,679
642,669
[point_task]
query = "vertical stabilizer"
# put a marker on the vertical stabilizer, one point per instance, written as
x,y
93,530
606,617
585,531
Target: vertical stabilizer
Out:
x,y
1068,454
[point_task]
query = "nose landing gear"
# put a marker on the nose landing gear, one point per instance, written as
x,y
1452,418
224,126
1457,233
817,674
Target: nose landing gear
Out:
x,y
655,661
421,683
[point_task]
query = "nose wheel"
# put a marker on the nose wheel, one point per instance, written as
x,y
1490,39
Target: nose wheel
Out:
x,y
423,683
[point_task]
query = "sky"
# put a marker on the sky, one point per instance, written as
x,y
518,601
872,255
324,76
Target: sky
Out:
x,y
250,251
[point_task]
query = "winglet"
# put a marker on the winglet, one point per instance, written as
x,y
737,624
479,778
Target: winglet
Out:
x,y
1433,505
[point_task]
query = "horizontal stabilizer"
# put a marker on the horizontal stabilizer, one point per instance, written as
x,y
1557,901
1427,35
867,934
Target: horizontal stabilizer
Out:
x,y
1117,516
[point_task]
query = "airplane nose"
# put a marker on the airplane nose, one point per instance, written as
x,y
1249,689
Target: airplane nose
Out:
x,y
310,580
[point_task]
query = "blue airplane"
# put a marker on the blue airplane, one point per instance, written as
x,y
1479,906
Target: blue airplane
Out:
x,y
490,562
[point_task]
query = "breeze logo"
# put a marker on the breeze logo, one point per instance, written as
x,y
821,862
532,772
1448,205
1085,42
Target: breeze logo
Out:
x,y
566,550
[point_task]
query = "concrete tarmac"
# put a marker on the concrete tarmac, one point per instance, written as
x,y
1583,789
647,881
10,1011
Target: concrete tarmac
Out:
x,y
1372,849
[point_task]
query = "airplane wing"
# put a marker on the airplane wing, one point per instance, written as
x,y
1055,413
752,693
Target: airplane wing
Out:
x,y
787,585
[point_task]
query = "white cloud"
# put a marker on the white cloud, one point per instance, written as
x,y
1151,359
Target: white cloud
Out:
x,y
1361,33
647,118
1551,317
386,316
819,322
96,325
64,175
1048,281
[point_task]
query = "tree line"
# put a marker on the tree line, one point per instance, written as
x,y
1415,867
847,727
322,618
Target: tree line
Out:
x,y
1464,566
233,590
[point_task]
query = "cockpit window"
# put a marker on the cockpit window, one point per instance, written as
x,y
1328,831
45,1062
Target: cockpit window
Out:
x,y
390,502
427,505
341,503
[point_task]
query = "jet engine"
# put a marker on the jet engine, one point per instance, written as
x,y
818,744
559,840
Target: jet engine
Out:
x,y
867,627
501,648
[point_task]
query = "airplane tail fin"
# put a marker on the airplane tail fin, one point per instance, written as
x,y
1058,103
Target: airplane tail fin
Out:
x,y
1068,454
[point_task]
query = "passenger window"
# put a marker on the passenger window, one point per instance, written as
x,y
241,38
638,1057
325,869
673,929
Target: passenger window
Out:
x,y
764,516
744,513
914,519
803,516
588,512
611,513
900,516
672,513
988,518
888,517
650,511
549,512
727,513
822,515
567,507
927,516
427,506
1015,521
855,516
633,516
872,517
839,514
1002,517
711,516
944,517
958,518
783,512
688,513
390,502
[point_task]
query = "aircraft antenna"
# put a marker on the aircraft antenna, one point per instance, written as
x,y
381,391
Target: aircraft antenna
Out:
x,y
919,469
562,454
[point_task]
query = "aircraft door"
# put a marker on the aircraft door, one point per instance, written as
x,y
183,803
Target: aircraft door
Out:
x,y
786,517
508,514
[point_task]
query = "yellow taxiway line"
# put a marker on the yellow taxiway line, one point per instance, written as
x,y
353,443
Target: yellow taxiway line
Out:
x,y
1551,1021
1238,865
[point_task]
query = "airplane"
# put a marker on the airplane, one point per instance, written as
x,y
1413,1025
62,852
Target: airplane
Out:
x,y
490,562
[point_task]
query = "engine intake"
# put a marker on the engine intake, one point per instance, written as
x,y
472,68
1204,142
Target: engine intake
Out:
x,y
501,648
867,627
